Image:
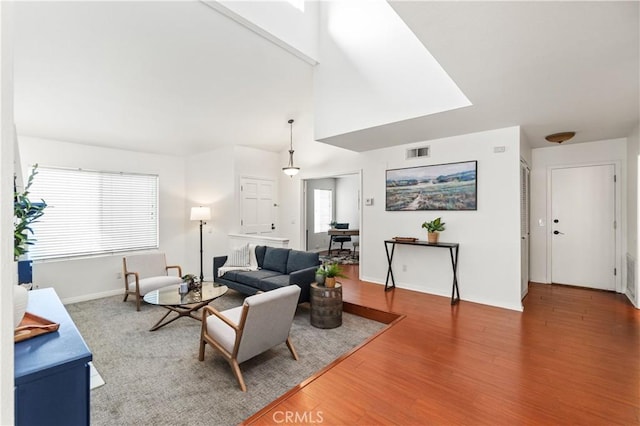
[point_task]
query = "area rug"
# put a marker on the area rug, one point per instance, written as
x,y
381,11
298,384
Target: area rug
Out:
x,y
155,378
344,259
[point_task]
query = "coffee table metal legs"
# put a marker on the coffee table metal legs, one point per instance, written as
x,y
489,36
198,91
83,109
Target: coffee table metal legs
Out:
x,y
182,311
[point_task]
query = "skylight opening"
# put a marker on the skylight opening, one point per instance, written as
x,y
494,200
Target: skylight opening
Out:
x,y
298,4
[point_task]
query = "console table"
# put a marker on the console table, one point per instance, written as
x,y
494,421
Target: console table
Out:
x,y
453,251
52,370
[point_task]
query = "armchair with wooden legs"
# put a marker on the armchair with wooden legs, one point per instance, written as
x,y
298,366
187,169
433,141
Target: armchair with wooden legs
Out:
x,y
147,272
262,322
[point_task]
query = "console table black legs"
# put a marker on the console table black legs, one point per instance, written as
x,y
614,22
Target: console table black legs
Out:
x,y
453,252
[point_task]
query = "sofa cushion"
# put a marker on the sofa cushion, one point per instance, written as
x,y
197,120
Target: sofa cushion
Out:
x,y
274,282
301,260
252,278
275,259
260,251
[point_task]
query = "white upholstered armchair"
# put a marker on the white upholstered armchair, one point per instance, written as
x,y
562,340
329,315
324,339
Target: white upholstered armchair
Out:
x,y
147,272
262,322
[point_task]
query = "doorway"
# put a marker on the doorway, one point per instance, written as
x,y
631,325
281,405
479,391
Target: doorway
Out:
x,y
331,199
257,205
583,226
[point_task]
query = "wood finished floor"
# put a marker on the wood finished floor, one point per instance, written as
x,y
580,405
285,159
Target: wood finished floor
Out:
x,y
572,357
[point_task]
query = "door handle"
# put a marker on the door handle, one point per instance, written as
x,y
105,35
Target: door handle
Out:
x,y
558,232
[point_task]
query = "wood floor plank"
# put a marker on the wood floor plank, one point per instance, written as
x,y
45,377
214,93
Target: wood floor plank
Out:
x,y
572,357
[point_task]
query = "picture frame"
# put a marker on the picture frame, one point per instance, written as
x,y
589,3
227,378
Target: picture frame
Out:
x,y
449,186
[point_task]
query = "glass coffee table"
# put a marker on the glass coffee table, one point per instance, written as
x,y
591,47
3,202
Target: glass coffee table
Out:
x,y
184,304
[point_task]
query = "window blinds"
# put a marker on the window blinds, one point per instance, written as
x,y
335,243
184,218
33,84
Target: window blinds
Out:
x,y
91,212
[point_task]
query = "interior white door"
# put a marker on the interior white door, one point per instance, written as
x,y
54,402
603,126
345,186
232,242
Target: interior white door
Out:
x,y
524,228
583,226
257,206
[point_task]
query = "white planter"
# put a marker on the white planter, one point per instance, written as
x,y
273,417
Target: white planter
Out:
x,y
20,299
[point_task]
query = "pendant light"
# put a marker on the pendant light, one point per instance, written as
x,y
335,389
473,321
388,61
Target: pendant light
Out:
x,y
291,170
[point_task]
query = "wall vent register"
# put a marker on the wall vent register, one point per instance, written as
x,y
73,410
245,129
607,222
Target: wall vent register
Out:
x,y
424,151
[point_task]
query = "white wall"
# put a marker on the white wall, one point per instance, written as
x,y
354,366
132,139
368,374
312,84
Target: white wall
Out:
x,y
8,268
79,279
348,203
213,180
489,265
564,155
348,200
633,156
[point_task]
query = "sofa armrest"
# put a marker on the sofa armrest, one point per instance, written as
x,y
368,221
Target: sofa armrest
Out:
x,y
303,279
218,262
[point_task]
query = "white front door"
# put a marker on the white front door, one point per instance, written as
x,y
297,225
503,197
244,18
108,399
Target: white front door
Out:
x,y
583,226
257,206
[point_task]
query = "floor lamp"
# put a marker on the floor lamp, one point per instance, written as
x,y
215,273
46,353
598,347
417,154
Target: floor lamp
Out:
x,y
201,214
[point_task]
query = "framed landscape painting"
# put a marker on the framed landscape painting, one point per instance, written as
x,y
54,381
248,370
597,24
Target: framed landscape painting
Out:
x,y
451,186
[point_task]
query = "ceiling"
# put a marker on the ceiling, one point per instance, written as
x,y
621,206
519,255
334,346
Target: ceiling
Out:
x,y
179,78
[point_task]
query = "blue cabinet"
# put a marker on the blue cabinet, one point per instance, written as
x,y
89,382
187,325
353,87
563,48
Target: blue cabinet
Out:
x,y
52,370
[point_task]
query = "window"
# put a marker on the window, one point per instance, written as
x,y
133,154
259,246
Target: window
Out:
x,y
322,209
93,212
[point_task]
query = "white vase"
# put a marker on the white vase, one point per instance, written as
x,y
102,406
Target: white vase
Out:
x,y
20,299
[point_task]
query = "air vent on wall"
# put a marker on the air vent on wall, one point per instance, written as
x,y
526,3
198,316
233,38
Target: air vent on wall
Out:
x,y
418,152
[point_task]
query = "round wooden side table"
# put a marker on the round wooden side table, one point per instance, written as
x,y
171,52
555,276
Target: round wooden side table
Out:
x,y
326,306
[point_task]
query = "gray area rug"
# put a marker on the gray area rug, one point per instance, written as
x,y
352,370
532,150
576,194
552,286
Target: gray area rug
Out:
x,y
155,378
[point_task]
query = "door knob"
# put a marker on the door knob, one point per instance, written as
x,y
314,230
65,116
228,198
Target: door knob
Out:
x,y
558,232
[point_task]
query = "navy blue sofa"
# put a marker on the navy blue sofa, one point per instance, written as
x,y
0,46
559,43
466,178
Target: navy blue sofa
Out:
x,y
277,267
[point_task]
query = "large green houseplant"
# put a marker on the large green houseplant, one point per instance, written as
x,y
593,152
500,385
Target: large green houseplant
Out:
x,y
25,213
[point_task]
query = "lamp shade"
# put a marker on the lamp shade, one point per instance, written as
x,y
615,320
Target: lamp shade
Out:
x,y
200,213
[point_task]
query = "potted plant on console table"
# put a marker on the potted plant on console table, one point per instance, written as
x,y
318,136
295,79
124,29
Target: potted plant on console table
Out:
x,y
433,228
330,272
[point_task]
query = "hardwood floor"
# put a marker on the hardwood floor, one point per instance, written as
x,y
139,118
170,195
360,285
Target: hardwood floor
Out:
x,y
572,357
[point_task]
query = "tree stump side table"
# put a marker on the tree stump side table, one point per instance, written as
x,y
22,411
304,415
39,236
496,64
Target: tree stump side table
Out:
x,y
326,306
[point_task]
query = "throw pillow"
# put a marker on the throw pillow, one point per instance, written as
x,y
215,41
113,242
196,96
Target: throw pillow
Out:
x,y
301,260
253,260
275,259
238,257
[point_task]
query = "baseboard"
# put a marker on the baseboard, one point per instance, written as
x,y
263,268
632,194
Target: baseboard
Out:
x,y
92,296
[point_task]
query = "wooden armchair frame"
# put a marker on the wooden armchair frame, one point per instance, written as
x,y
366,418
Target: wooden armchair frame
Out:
x,y
231,357
126,274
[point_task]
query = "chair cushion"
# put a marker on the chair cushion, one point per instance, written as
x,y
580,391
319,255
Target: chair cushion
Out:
x,y
220,331
147,264
275,259
154,283
268,320
301,260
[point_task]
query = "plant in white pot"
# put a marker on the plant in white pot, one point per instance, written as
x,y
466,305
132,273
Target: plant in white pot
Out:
x,y
25,213
433,228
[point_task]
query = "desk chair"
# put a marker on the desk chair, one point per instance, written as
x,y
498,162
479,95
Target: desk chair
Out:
x,y
340,238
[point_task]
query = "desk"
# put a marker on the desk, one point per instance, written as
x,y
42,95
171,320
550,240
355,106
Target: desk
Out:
x,y
333,232
455,293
